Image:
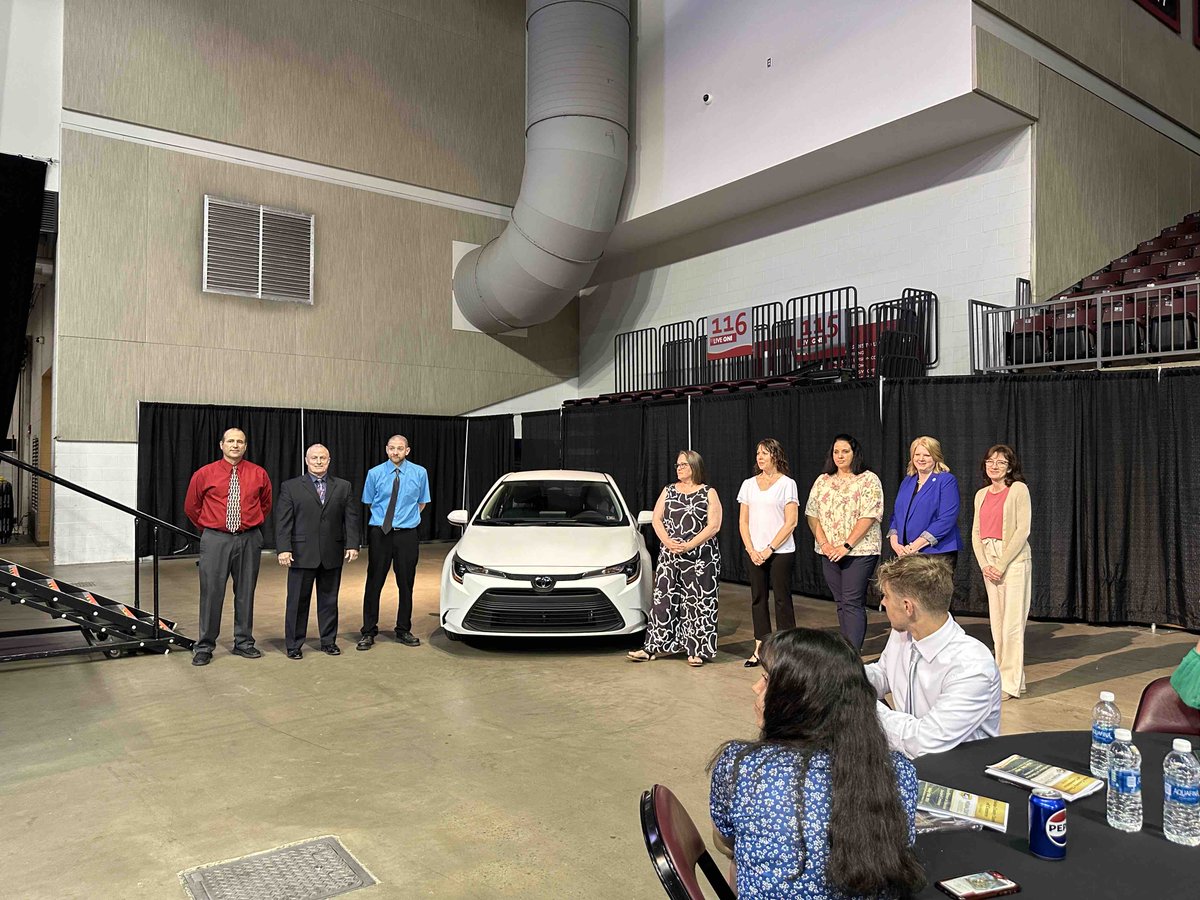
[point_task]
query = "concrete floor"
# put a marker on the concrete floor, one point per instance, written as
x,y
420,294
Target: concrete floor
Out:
x,y
448,770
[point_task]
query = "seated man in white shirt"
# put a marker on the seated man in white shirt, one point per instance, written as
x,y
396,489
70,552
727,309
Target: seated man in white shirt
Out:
x,y
945,685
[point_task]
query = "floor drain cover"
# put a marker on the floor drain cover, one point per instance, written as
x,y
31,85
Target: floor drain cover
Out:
x,y
311,870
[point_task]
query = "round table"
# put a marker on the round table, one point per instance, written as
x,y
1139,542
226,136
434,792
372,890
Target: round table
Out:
x,y
1101,861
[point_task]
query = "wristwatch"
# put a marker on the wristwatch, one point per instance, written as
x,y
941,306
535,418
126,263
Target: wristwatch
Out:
x,y
848,546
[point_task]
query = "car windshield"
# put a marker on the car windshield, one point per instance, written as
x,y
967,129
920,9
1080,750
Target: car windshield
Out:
x,y
584,503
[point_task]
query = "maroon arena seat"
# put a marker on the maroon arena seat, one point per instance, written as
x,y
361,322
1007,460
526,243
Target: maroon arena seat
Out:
x,y
1074,327
1172,320
676,848
1158,243
1026,343
1130,261
1160,711
1183,269
1123,326
1101,279
1188,240
1143,274
1168,256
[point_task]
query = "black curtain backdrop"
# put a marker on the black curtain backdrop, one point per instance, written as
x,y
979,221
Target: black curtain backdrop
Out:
x,y
175,439
22,182
489,454
541,440
357,442
1106,459
607,439
726,430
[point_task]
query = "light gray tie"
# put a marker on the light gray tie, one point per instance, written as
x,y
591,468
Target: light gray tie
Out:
x,y
914,658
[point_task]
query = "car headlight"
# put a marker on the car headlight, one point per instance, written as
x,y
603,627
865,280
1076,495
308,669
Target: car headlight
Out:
x,y
631,569
460,567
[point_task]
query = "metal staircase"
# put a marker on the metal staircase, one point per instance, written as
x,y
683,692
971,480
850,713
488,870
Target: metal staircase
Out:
x,y
107,626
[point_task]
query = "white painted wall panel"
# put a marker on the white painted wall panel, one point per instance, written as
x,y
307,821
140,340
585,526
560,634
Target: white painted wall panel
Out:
x,y
958,223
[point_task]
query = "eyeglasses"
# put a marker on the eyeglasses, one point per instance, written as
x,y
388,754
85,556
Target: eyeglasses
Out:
x,y
683,465
997,462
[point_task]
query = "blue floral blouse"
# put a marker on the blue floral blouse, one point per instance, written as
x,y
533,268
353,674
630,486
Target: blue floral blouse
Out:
x,y
758,814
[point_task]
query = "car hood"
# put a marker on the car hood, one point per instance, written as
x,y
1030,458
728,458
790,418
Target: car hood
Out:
x,y
546,548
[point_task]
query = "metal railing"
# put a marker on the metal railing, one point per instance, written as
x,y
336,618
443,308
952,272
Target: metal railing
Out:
x,y
1123,326
156,526
826,331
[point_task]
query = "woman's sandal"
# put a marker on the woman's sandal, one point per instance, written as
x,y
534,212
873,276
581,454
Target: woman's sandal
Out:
x,y
751,663
640,656
695,662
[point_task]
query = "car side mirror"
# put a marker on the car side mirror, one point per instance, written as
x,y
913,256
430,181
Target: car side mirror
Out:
x,y
645,517
459,517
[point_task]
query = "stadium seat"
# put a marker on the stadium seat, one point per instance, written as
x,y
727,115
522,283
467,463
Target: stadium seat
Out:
x,y
1183,269
1101,279
1169,256
1026,343
1122,326
1130,261
1156,244
1172,321
1188,240
1143,274
1074,325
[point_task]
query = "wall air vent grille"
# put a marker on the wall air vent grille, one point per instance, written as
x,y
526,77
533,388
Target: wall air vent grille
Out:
x,y
256,251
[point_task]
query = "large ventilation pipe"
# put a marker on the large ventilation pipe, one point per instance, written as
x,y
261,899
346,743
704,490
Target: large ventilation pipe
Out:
x,y
576,154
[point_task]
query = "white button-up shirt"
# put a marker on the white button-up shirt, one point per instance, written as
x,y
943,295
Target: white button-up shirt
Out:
x,y
955,696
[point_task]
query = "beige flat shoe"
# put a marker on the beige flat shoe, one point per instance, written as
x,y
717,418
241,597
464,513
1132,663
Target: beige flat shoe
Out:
x,y
640,656
695,662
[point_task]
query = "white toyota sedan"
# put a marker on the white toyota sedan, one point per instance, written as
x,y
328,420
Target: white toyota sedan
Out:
x,y
552,553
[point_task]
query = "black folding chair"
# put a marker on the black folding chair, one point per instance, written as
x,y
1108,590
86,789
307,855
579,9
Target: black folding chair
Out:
x,y
676,848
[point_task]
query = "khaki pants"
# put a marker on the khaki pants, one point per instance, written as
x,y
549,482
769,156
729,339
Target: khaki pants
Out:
x,y
1008,608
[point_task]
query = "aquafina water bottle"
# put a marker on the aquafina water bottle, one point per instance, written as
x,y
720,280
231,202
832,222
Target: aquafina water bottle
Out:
x,y
1124,782
1181,795
1105,717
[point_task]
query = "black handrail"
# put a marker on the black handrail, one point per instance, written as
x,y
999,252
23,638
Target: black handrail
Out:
x,y
99,498
138,517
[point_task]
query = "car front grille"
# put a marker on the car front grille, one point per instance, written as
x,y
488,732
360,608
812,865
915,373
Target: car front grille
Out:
x,y
584,611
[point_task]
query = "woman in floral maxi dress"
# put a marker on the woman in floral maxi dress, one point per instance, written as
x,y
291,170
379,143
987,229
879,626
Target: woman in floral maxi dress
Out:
x,y
683,617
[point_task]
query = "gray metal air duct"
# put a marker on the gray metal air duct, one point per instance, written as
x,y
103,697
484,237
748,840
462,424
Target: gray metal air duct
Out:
x,y
576,154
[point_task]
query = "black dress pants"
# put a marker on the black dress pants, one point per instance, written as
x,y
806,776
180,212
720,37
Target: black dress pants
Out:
x,y
299,595
224,555
397,550
848,579
778,569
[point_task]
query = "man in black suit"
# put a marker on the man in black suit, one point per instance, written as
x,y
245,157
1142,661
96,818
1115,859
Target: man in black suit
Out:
x,y
316,528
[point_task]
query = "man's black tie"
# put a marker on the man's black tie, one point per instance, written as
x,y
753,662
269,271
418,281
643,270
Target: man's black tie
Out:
x,y
391,510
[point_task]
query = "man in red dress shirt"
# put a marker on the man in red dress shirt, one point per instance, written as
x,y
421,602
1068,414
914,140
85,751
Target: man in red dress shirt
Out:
x,y
228,500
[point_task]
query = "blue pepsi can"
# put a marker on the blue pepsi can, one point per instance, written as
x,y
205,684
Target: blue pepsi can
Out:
x,y
1047,824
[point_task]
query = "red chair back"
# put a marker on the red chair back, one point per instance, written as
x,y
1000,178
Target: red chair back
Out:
x,y
676,848
1161,711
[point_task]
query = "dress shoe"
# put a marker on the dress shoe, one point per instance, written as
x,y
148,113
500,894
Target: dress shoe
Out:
x,y
331,649
751,663
365,642
250,652
408,639
201,658
295,654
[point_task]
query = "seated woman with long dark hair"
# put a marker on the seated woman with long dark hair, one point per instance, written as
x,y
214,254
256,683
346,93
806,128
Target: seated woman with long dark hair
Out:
x,y
816,807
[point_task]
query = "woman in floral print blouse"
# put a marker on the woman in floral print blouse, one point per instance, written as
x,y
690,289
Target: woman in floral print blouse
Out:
x,y
844,509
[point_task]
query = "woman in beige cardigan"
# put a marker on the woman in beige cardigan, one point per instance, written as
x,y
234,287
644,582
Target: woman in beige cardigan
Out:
x,y
1000,536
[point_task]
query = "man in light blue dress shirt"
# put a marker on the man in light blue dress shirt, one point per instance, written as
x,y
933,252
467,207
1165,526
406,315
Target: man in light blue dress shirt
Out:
x,y
397,492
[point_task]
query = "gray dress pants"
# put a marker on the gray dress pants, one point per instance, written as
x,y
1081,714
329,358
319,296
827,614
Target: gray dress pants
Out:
x,y
223,555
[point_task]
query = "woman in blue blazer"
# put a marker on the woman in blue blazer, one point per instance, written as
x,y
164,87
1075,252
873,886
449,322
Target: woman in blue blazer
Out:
x,y
925,517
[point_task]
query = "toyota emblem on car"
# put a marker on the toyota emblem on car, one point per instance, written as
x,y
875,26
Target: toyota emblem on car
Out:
x,y
543,583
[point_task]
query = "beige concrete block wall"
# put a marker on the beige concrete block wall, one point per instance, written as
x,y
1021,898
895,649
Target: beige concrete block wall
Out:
x,y
429,92
134,324
1103,181
1121,42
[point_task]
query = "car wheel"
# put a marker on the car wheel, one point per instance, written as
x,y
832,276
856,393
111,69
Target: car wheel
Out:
x,y
451,635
